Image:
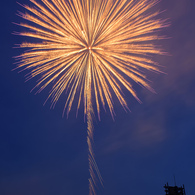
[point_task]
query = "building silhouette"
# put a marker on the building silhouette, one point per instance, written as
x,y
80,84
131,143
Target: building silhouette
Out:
x,y
174,190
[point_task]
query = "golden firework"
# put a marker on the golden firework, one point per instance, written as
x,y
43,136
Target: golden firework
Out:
x,y
90,48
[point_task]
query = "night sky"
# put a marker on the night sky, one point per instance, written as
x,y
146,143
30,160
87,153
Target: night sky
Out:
x,y
42,153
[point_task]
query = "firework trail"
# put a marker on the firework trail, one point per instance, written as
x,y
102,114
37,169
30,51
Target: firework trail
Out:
x,y
90,48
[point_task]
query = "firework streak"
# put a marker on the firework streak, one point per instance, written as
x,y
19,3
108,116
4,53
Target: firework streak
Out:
x,y
90,48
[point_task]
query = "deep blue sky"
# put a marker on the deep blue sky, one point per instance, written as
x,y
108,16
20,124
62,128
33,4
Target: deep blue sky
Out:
x,y
42,153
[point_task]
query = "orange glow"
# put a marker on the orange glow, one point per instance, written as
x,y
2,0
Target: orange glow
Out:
x,y
90,48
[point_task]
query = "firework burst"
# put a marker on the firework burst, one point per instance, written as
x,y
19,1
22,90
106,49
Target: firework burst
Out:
x,y
90,48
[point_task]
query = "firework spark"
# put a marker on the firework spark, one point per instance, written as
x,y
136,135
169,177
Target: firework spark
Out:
x,y
90,48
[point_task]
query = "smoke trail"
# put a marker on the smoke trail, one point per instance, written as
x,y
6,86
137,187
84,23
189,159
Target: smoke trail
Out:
x,y
93,168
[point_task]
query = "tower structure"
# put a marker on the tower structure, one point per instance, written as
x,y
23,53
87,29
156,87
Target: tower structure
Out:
x,y
174,190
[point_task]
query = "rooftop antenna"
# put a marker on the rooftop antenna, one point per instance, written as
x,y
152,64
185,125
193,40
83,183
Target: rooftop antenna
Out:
x,y
174,179
174,190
